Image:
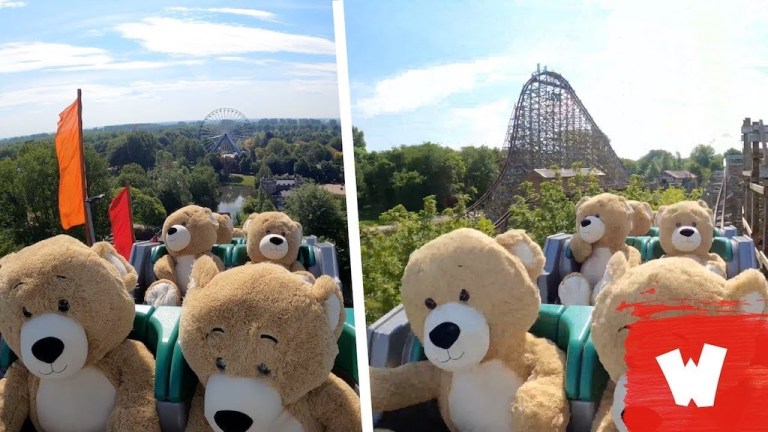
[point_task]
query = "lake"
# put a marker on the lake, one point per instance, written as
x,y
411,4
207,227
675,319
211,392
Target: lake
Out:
x,y
232,199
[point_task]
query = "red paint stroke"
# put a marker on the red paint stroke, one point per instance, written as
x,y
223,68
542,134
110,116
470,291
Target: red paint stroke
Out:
x,y
742,394
648,309
649,291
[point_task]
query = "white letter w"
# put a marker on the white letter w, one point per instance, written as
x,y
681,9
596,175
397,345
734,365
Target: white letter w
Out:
x,y
691,381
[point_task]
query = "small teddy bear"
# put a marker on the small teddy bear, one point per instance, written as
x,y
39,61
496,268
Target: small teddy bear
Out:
x,y
188,233
226,229
603,223
642,218
242,232
679,287
471,299
263,340
66,311
686,229
275,238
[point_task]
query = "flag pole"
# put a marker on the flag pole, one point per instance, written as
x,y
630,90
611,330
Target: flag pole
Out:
x,y
89,232
130,209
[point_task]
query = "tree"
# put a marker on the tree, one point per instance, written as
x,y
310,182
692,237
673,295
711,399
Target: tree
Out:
x,y
732,152
203,186
147,209
137,147
258,203
134,174
358,138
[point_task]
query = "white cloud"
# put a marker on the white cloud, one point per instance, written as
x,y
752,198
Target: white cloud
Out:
x,y
200,38
11,4
484,123
253,13
416,88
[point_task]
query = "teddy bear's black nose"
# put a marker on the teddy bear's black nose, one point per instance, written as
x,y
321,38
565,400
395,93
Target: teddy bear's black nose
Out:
x,y
686,232
586,222
276,241
171,231
232,421
48,349
445,335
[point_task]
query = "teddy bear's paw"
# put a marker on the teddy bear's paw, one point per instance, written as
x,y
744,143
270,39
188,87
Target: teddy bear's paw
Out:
x,y
162,294
574,290
714,269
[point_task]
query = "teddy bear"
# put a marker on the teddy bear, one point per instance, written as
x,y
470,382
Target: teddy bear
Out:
x,y
686,229
678,286
188,233
242,232
262,341
66,312
274,237
226,229
603,223
471,299
657,215
642,218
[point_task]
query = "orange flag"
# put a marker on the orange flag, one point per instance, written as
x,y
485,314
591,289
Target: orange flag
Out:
x,y
70,155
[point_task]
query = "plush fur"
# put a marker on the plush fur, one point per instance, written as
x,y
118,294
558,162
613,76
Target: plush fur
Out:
x,y
226,229
64,302
471,299
642,218
243,231
275,238
657,215
263,341
686,230
188,233
603,223
675,280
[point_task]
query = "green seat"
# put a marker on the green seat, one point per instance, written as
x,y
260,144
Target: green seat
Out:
x,y
639,243
720,245
156,328
158,252
238,240
593,375
224,252
306,255
239,255
567,327
182,381
653,232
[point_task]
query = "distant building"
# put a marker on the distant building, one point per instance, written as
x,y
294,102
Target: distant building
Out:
x,y
681,179
537,176
336,189
275,186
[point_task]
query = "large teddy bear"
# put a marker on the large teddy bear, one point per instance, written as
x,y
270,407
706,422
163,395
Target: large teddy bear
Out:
x,y
680,287
686,229
275,238
642,218
471,299
603,223
66,311
226,229
188,233
263,341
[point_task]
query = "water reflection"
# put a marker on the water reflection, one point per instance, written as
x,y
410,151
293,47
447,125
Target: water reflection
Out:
x,y
232,199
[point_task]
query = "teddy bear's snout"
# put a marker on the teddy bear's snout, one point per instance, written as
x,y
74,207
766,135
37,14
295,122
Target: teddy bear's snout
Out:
x,y
445,335
232,421
687,232
48,349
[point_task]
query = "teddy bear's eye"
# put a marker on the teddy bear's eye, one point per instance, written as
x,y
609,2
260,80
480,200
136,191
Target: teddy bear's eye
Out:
x,y
678,224
268,232
463,295
430,303
282,233
183,224
26,313
263,369
693,224
272,338
217,331
63,305
597,215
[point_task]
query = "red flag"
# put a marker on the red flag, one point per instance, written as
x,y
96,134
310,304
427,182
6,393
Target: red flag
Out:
x,y
71,178
122,222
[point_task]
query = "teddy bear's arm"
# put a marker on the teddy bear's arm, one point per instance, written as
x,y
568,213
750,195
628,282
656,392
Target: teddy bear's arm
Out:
x,y
197,421
603,421
716,264
336,406
581,249
540,403
633,256
403,386
164,269
297,267
14,398
217,260
135,408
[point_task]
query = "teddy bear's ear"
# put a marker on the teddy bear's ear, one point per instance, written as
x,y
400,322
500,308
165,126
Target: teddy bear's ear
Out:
x,y
327,292
203,271
703,204
647,208
517,243
750,290
616,268
108,253
212,217
299,227
581,202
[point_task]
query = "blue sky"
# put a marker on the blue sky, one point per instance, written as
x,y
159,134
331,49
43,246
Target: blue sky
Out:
x,y
157,61
653,74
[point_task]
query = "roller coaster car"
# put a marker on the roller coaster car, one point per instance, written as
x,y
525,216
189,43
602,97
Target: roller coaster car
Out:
x,y
737,251
391,343
175,382
728,231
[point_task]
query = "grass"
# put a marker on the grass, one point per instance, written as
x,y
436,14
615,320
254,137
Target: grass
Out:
x,y
244,180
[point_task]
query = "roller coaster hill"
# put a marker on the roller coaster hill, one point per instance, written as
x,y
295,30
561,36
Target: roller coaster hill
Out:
x,y
550,126
158,328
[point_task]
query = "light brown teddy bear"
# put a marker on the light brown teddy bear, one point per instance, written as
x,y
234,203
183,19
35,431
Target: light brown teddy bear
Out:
x,y
642,218
275,238
226,229
243,231
686,230
471,299
263,341
188,233
657,215
66,311
603,223
676,282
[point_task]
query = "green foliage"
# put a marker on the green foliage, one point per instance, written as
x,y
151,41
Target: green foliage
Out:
x,y
147,209
135,175
136,147
203,186
385,254
259,203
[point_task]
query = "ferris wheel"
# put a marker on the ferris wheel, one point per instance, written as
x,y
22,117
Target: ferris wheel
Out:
x,y
224,130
